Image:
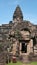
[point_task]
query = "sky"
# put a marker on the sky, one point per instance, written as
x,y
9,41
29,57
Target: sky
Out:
x,y
28,7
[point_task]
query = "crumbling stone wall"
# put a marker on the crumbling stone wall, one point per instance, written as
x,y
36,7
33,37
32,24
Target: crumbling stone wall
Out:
x,y
2,58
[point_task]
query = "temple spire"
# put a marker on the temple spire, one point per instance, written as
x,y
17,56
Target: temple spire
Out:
x,y
18,13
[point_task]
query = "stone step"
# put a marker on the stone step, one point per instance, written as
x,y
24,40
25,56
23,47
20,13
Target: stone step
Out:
x,y
34,58
25,59
35,50
35,46
35,53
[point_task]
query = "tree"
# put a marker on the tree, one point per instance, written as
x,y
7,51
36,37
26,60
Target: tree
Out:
x,y
18,35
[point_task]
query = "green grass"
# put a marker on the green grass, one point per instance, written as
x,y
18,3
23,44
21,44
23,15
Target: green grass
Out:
x,y
20,63
34,63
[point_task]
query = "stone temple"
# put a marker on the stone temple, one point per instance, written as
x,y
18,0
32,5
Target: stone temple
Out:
x,y
19,37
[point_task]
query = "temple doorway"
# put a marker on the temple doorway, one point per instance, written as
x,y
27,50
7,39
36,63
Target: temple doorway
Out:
x,y
24,48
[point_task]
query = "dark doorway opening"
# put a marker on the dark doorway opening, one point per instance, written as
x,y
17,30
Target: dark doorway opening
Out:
x,y
24,48
34,41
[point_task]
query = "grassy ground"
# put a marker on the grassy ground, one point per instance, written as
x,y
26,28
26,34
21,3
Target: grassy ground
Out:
x,y
19,63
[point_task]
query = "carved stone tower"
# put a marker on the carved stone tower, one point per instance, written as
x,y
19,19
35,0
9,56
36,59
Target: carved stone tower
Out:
x,y
17,16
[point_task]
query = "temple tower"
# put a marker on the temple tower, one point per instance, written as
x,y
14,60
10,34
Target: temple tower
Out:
x,y
17,16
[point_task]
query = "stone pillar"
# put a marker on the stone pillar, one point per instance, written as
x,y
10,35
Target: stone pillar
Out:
x,y
30,46
20,48
14,48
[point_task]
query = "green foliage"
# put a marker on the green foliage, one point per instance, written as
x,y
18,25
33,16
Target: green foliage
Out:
x,y
18,35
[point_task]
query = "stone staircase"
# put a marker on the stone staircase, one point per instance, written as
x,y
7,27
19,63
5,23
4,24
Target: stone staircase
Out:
x,y
25,59
34,58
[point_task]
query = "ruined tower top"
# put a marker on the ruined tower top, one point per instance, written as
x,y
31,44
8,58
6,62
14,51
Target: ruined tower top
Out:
x,y
18,13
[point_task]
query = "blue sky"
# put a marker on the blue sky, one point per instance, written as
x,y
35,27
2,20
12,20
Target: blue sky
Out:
x,y
28,7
